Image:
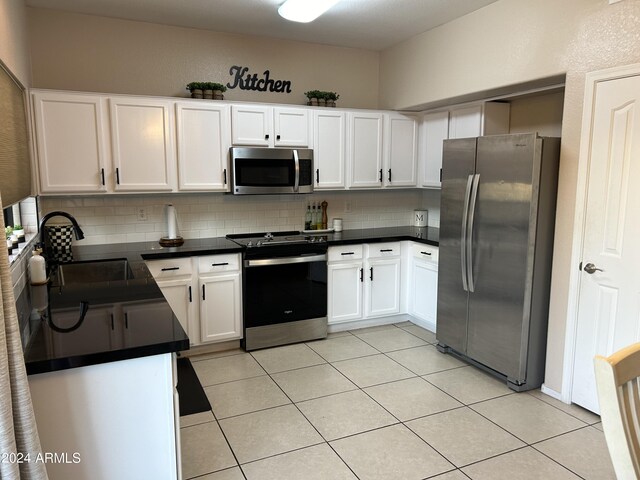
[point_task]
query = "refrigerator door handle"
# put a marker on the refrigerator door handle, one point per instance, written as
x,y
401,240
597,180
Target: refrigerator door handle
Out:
x,y
463,235
472,214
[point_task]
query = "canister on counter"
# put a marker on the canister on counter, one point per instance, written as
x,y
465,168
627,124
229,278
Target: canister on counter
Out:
x,y
420,218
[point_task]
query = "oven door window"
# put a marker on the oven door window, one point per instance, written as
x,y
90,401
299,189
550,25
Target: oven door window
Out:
x,y
285,293
251,172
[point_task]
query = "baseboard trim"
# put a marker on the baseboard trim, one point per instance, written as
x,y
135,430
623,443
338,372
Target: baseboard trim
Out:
x,y
375,322
552,393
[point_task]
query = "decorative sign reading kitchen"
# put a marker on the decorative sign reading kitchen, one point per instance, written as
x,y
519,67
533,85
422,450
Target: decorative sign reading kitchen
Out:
x,y
244,80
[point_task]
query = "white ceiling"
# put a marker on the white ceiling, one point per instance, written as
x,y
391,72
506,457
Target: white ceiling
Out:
x,y
370,24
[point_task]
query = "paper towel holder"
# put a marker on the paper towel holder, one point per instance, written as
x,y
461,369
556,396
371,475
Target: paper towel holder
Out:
x,y
172,239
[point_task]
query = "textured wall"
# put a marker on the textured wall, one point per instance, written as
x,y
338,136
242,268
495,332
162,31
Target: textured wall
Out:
x,y
99,54
14,47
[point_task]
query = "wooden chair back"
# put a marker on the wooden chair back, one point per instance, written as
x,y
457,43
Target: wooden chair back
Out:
x,y
619,397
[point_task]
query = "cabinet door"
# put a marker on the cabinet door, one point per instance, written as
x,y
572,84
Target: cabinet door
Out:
x,y
435,130
344,292
70,142
291,127
365,150
180,297
220,308
329,135
203,134
401,139
142,144
465,122
148,320
251,125
424,291
382,296
99,331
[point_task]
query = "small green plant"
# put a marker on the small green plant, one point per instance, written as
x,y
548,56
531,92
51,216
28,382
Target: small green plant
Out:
x,y
195,86
332,96
312,94
215,86
8,231
17,226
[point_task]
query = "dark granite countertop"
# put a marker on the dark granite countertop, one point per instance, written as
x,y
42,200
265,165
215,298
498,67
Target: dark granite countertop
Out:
x,y
428,235
123,319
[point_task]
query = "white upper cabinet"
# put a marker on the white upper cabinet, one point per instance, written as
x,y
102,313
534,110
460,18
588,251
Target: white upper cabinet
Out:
x,y
465,122
365,149
70,142
142,144
204,138
435,130
329,140
401,150
262,126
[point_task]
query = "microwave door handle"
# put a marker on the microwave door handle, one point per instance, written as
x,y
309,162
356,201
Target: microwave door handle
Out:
x,y
296,160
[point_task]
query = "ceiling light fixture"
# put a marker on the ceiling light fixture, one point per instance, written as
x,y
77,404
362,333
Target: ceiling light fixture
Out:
x,y
304,11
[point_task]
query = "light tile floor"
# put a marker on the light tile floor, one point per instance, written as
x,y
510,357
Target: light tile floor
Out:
x,y
379,403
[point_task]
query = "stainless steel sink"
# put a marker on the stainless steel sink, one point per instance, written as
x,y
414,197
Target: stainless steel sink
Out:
x,y
91,272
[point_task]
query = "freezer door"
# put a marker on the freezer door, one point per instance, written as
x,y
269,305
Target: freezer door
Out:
x,y
502,255
458,164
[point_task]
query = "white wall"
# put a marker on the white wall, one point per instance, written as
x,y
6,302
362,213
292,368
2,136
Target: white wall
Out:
x,y
513,42
99,54
14,47
113,219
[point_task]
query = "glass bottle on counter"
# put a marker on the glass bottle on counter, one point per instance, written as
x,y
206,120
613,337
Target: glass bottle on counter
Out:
x,y
308,218
319,217
314,216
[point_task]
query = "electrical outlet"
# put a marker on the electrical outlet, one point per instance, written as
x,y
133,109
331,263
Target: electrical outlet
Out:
x,y
347,207
142,215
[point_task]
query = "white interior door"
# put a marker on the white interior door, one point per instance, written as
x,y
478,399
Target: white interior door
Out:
x,y
609,297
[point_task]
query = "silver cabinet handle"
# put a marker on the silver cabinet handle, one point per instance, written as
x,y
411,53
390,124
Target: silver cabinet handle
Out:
x,y
590,268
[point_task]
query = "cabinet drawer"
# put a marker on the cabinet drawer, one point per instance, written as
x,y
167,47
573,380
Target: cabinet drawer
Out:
x,y
219,263
170,268
382,250
345,253
425,252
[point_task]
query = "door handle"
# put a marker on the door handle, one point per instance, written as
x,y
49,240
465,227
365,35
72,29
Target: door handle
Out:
x,y
472,214
117,176
463,234
102,176
362,275
389,175
203,294
380,175
224,173
590,268
317,175
371,274
190,297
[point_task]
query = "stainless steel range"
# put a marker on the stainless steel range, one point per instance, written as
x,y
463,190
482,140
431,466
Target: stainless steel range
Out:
x,y
284,288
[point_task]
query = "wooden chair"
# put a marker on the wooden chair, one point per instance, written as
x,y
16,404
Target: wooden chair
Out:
x,y
619,395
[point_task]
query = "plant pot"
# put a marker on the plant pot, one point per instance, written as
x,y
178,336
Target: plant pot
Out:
x,y
20,235
322,102
313,102
331,103
217,95
208,94
196,93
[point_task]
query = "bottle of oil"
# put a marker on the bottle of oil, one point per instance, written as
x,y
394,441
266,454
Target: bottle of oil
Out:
x,y
307,218
314,216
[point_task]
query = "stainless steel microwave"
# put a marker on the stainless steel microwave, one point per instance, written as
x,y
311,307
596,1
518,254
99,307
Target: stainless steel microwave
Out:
x,y
260,171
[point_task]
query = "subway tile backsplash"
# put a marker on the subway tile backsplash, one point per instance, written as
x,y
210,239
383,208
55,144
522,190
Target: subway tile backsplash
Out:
x,y
137,218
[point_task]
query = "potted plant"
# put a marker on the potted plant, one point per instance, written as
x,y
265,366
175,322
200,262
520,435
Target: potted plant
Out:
x,y
18,230
207,90
312,96
196,89
218,90
322,99
331,99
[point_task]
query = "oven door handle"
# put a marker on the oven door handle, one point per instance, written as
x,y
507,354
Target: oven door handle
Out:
x,y
265,262
296,160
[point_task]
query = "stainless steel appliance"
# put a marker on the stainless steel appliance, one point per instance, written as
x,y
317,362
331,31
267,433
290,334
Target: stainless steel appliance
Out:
x,y
284,288
497,217
271,170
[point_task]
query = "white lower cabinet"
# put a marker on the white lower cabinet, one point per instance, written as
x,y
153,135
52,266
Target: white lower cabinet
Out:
x,y
423,283
205,294
363,281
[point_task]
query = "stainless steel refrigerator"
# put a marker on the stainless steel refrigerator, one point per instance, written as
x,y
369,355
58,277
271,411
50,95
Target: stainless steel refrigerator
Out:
x,y
497,217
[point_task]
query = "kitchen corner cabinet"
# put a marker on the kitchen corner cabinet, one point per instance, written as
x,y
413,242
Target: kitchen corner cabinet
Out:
x,y
365,149
488,118
423,283
205,294
329,140
401,150
63,120
203,138
263,126
363,281
142,144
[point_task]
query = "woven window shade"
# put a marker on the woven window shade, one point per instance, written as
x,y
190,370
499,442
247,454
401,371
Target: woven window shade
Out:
x,y
15,166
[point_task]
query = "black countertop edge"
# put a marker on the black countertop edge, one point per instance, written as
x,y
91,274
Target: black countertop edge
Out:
x,y
426,235
65,363
176,252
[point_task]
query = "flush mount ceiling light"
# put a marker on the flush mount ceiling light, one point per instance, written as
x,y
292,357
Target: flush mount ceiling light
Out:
x,y
304,11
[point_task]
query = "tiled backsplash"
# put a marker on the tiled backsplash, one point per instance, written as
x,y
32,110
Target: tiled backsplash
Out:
x,y
118,219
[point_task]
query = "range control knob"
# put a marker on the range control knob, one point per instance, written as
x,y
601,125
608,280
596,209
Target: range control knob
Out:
x,y
259,243
250,244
